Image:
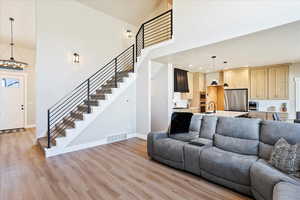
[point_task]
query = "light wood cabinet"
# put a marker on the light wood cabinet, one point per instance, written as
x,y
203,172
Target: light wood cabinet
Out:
x,y
259,115
237,78
259,83
278,82
268,115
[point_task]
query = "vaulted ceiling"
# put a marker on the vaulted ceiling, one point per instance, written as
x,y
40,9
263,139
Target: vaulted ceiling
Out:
x,y
24,27
131,11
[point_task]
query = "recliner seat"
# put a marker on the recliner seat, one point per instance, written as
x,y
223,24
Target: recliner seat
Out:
x,y
235,155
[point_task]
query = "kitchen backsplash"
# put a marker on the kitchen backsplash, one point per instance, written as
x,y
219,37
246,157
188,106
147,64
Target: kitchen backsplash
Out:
x,y
268,105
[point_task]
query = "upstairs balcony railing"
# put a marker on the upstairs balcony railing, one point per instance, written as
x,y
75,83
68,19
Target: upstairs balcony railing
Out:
x,y
154,31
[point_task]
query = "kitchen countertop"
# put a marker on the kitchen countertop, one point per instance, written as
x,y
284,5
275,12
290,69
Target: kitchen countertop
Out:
x,y
219,113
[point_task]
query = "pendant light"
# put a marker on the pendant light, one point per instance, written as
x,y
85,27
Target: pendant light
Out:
x,y
225,84
214,82
11,63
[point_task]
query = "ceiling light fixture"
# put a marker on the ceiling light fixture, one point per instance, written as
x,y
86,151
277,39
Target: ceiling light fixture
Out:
x,y
12,63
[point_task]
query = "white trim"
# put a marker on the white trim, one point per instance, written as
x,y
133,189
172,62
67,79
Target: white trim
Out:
x,y
25,76
30,126
141,136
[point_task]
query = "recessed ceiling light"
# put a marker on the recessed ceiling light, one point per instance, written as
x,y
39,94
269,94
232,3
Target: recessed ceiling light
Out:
x,y
190,65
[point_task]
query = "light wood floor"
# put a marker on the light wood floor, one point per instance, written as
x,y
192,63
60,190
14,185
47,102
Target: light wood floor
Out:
x,y
115,171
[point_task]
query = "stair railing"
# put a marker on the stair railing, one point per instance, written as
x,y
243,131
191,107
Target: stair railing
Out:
x,y
81,95
154,31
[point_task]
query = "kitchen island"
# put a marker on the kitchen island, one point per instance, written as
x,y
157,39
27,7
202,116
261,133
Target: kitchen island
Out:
x,y
219,113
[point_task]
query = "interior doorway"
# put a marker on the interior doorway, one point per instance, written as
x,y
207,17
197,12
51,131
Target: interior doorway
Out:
x,y
12,100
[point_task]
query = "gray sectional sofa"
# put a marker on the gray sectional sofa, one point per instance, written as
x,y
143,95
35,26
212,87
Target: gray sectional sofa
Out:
x,y
235,154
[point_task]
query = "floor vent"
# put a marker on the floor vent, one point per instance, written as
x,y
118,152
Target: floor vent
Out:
x,y
116,138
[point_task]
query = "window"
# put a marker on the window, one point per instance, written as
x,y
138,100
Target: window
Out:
x,y
10,83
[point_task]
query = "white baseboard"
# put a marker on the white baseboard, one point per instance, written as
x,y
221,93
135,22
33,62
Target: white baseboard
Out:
x,y
89,145
141,136
30,126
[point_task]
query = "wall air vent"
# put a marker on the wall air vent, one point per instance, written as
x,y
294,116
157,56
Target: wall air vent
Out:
x,y
116,138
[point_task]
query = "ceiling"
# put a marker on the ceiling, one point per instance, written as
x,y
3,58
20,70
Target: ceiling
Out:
x,y
131,11
272,46
24,29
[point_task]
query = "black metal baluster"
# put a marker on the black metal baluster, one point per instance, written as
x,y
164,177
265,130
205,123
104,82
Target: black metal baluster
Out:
x,y
88,96
48,132
133,58
143,38
171,23
116,76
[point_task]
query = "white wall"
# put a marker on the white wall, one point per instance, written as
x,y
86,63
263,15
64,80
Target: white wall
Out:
x,y
161,96
294,73
26,55
118,118
143,98
63,28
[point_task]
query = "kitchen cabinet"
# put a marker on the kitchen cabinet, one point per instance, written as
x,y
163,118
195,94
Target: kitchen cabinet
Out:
x,y
259,115
269,82
278,82
215,94
237,78
268,115
259,83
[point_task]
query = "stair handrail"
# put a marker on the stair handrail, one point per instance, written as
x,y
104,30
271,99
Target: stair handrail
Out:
x,y
146,36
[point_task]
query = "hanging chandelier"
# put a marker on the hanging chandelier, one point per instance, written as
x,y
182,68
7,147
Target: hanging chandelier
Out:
x,y
12,63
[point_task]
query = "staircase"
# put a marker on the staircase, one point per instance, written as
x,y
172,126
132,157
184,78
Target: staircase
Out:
x,y
74,112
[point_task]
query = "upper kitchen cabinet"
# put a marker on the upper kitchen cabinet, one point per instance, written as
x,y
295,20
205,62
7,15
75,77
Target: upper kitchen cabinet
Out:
x,y
237,78
278,82
259,83
269,82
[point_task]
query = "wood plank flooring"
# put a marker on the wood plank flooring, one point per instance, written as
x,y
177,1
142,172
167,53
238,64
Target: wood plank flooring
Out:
x,y
115,171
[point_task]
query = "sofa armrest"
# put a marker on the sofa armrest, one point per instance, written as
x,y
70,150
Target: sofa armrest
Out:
x,y
286,191
151,138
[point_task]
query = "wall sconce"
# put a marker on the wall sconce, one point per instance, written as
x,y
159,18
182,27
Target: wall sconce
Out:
x,y
76,59
129,33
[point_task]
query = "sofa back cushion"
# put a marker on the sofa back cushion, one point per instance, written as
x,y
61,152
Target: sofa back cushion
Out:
x,y
238,135
195,124
272,131
208,127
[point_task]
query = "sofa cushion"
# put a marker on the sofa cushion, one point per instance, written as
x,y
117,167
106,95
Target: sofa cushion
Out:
x,y
185,137
286,157
236,145
242,128
208,127
192,158
169,149
227,165
238,135
286,191
272,131
195,124
264,177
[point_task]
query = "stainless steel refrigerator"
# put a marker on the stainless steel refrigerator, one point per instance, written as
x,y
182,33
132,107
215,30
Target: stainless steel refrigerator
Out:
x,y
236,100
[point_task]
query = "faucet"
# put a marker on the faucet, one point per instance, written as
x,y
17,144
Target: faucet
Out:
x,y
212,103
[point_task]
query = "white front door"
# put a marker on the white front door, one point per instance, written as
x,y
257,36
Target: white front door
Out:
x,y
12,113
